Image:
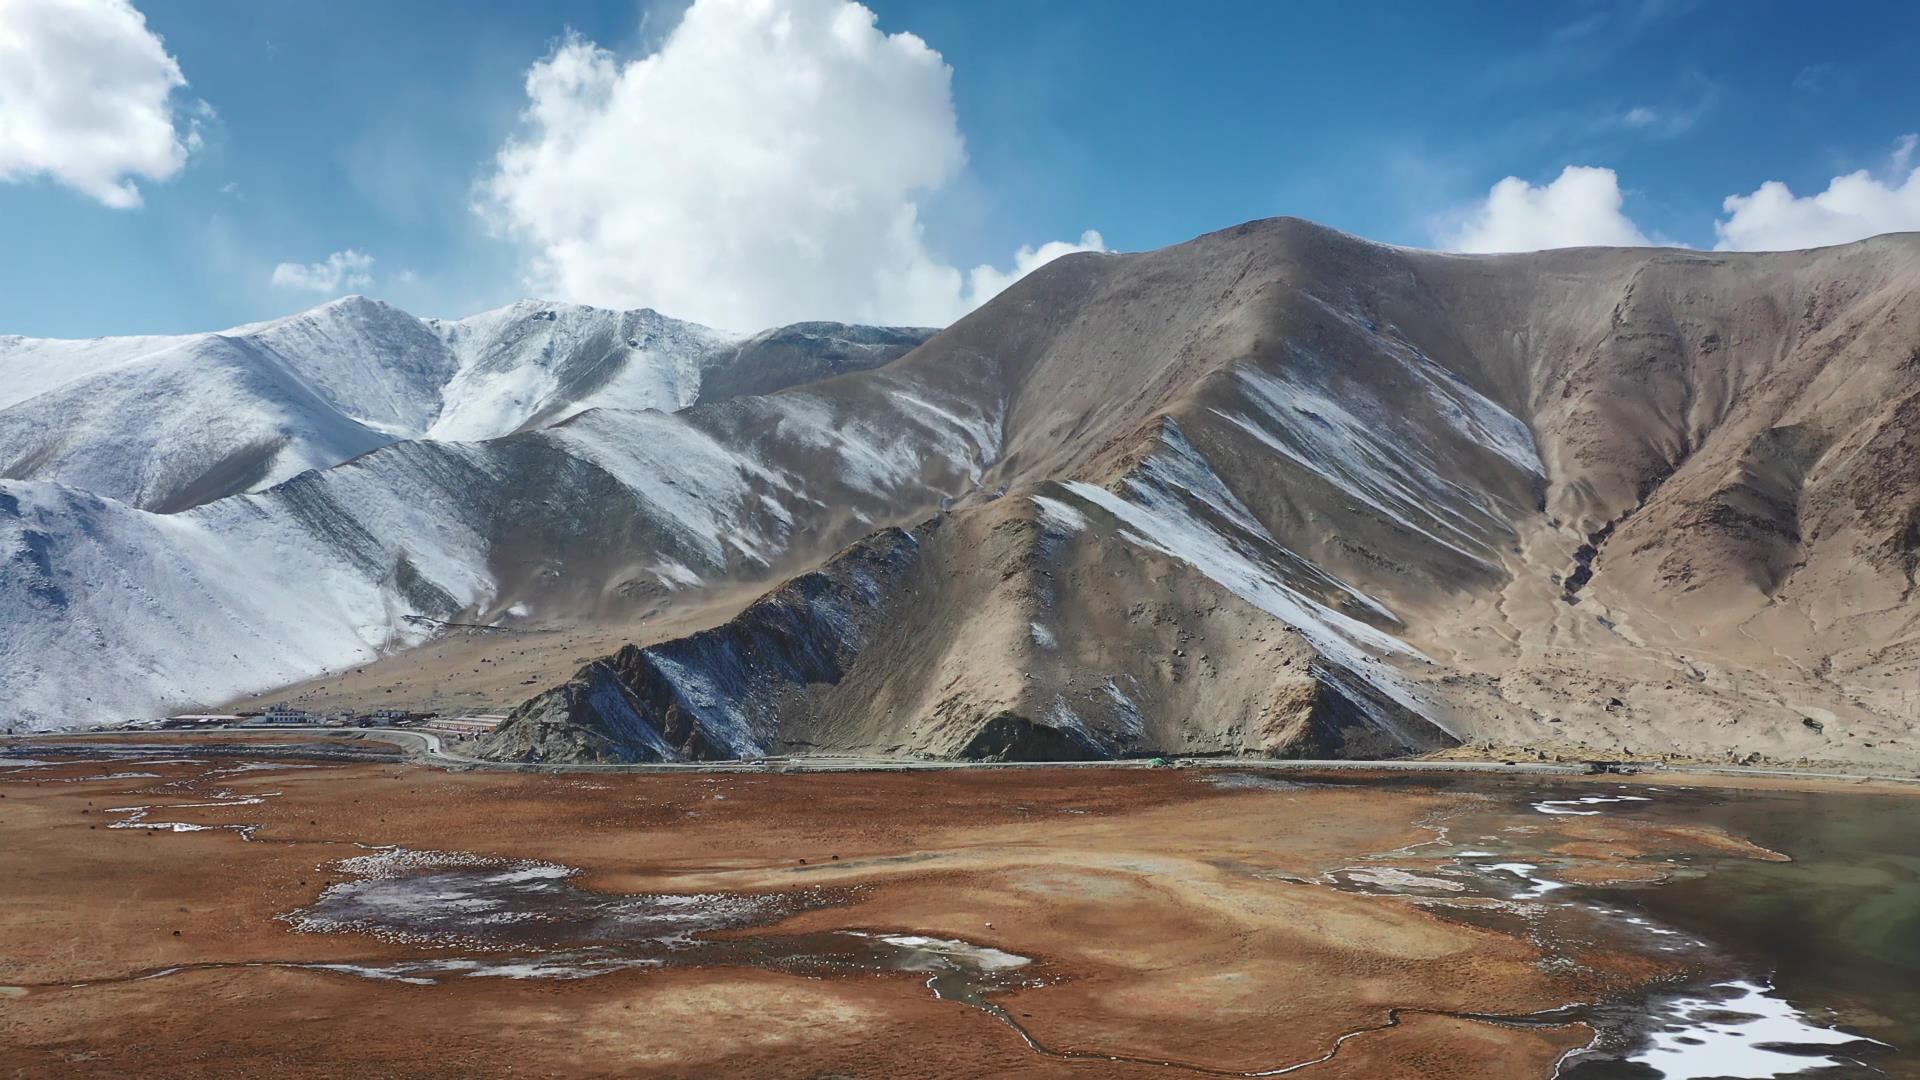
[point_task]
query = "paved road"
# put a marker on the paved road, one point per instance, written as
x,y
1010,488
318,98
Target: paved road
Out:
x,y
428,748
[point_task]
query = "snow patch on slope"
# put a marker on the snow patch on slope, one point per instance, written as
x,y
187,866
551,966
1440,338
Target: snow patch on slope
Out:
x,y
703,491
1159,512
1323,435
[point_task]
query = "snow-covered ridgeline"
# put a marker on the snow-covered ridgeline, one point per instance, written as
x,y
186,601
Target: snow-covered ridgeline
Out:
x,y
111,612
169,422
534,360
185,424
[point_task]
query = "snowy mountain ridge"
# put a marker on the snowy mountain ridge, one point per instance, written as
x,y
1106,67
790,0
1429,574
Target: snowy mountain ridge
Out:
x,y
108,611
169,422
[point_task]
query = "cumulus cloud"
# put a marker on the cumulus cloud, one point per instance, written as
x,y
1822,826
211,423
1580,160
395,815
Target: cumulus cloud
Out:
x,y
86,98
1852,207
1579,208
764,165
987,282
347,269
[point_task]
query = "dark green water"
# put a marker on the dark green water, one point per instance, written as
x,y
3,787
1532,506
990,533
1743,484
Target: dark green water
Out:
x,y
1834,933
1839,926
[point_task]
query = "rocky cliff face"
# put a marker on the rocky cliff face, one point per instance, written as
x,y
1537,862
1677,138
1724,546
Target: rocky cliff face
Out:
x,y
728,692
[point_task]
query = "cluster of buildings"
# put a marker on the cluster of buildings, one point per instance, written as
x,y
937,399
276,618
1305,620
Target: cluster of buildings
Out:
x,y
285,715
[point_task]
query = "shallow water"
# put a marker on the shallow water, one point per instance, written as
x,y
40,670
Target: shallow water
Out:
x,y
1809,967
1837,930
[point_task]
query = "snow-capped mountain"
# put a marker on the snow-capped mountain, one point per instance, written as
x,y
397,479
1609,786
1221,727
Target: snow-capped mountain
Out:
x,y
165,423
107,610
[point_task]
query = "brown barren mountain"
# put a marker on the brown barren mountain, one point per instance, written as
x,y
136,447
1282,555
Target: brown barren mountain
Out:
x,y
1279,490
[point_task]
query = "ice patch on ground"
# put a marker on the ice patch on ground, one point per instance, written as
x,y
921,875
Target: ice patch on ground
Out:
x,y
1254,782
1391,878
1740,1029
978,957
1572,806
1539,886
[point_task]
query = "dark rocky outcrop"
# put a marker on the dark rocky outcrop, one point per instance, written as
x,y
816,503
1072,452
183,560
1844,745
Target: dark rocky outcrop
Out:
x,y
720,693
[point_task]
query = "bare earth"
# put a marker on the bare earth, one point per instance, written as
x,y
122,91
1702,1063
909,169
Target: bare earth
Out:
x,y
1175,922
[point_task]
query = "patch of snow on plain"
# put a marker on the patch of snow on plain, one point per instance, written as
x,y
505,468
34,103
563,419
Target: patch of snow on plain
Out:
x,y
1394,879
1572,806
1740,1029
978,957
1540,886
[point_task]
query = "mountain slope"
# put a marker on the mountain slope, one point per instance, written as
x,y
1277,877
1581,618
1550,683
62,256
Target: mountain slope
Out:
x,y
168,423
107,610
1550,500
1275,490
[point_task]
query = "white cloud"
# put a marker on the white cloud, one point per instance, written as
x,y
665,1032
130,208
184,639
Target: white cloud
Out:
x,y
987,282
1853,207
343,269
762,166
85,98
1580,208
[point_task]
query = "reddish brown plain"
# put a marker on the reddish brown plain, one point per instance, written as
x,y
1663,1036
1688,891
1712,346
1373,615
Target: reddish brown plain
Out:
x,y
1168,919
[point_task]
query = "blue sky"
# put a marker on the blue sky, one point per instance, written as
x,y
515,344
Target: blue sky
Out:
x,y
374,128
